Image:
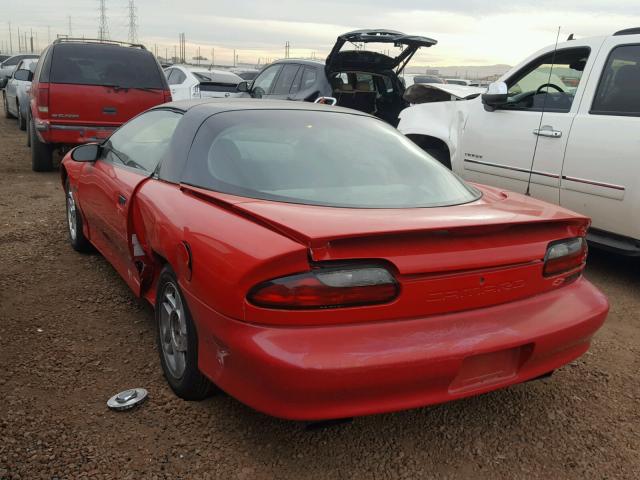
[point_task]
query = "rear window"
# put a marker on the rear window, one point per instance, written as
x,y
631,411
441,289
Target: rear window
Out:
x,y
318,158
217,82
106,65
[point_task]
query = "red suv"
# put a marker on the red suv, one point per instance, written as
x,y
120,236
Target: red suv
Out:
x,y
83,90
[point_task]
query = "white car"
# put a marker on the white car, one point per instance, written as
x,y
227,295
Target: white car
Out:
x,y
16,92
566,133
187,82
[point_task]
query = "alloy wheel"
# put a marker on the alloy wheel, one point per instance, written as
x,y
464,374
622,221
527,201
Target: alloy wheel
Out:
x,y
71,215
173,330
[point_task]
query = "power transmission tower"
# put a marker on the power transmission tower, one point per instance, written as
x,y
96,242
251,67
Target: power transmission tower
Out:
x,y
103,28
133,22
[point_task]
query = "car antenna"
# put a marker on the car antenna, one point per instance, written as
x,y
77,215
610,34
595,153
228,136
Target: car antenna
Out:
x,y
544,105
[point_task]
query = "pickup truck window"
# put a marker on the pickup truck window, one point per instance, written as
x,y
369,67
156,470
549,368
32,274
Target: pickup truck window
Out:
x,y
548,81
618,92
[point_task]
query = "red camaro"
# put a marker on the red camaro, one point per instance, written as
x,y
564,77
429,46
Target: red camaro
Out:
x,y
315,264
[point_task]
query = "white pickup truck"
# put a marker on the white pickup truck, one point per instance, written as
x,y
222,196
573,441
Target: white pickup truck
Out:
x,y
565,119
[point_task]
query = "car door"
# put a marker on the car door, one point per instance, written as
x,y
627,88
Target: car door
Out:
x,y
306,86
177,81
600,173
107,187
526,138
11,92
263,83
284,82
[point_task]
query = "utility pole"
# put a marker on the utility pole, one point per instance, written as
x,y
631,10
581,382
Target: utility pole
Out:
x,y
287,48
48,34
103,27
19,41
70,29
10,40
133,22
234,57
213,57
175,55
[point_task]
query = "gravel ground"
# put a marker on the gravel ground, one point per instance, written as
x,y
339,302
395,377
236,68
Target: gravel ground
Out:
x,y
71,335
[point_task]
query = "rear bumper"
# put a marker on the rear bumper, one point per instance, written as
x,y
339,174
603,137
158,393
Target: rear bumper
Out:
x,y
69,134
313,373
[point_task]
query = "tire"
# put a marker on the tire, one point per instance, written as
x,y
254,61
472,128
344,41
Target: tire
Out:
x,y
78,241
6,106
41,153
440,155
22,122
177,341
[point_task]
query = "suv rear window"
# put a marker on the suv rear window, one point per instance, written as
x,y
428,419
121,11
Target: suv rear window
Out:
x,y
107,65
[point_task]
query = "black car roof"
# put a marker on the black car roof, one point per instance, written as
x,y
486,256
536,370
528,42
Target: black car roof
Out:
x,y
196,112
212,106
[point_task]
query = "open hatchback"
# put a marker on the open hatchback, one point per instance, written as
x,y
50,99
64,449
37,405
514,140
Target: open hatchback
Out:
x,y
364,72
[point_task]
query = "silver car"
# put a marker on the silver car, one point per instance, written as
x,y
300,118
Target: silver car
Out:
x,y
16,92
9,65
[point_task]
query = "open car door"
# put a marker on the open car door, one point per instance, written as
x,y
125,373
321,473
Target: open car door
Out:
x,y
357,59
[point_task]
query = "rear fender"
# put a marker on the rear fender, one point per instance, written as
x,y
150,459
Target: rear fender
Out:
x,y
443,121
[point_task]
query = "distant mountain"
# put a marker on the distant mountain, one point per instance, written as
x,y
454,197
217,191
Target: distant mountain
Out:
x,y
463,71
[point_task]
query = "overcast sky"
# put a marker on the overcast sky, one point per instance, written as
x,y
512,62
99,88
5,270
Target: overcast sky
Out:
x,y
469,32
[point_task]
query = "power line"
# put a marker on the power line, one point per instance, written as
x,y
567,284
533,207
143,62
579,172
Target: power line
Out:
x,y
103,28
133,22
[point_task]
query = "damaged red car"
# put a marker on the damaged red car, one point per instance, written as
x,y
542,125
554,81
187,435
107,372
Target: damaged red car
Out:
x,y
315,264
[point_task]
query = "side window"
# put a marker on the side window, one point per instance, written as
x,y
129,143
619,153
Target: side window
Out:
x,y
177,77
618,92
44,66
262,83
550,81
285,79
143,141
309,78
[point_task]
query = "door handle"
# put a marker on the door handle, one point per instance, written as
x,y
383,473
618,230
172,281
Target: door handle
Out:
x,y
122,199
547,131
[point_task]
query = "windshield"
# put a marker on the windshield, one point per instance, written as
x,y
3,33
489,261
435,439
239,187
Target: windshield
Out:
x,y
318,158
86,64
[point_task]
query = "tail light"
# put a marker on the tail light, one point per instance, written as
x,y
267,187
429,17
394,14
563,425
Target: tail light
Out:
x,y
195,91
327,288
564,256
43,99
167,96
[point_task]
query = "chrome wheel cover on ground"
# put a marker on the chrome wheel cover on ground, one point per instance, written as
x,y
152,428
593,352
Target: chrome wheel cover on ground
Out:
x,y
173,330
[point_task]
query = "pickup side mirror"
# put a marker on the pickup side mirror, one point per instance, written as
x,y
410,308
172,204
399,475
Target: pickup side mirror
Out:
x,y
89,152
243,86
23,74
496,96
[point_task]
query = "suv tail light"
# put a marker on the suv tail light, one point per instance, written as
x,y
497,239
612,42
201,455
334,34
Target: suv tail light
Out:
x,y
167,96
327,288
43,99
564,256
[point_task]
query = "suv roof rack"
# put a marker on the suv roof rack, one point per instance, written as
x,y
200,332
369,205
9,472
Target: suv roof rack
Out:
x,y
628,31
97,40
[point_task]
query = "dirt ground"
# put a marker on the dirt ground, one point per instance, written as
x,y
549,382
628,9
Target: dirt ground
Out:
x,y
72,335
